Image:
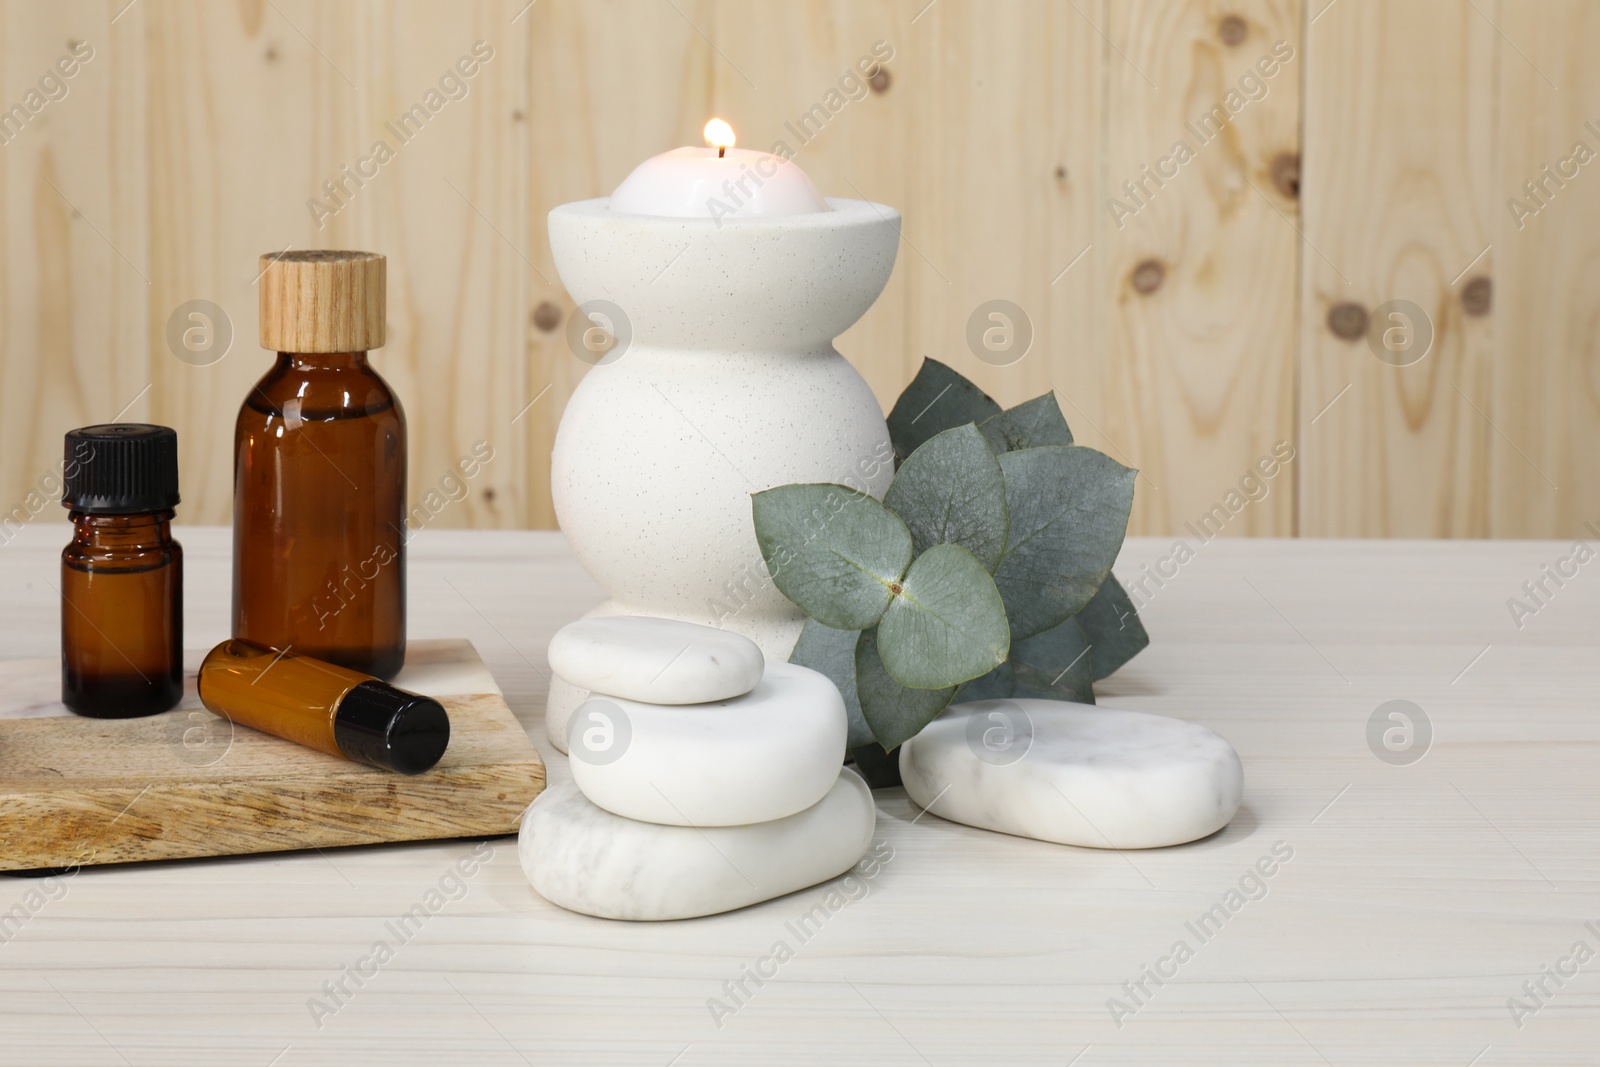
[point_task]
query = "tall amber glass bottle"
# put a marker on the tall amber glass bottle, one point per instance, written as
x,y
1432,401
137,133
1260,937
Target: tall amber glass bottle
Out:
x,y
122,573
320,471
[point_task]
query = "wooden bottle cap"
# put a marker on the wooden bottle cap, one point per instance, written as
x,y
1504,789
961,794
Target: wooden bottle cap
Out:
x,y
322,301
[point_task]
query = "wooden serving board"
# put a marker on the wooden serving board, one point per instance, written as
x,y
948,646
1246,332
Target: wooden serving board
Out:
x,y
183,784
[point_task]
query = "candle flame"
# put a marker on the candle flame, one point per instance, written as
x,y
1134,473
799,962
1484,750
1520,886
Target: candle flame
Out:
x,y
719,134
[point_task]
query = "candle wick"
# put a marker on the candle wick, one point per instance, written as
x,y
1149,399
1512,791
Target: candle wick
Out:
x,y
722,150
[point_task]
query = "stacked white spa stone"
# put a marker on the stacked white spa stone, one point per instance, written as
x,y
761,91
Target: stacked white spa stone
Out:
x,y
703,778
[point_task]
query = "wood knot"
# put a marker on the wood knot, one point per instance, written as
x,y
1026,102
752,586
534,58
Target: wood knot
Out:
x,y
1477,296
1286,174
1233,31
1348,321
546,316
1148,276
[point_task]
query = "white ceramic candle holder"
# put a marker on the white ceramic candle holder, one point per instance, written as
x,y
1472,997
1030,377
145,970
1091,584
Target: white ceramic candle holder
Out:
x,y
725,382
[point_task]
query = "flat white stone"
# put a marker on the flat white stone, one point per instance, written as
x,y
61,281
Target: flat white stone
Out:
x,y
585,859
661,661
1077,774
754,758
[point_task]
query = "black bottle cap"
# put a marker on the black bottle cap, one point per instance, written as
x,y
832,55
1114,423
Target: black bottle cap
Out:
x,y
121,468
391,728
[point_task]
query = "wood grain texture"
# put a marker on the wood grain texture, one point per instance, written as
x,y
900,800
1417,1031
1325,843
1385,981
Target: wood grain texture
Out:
x,y
183,784
321,301
609,85
1416,903
1200,245
202,135
1544,477
268,124
74,240
451,210
1004,182
1398,205
247,120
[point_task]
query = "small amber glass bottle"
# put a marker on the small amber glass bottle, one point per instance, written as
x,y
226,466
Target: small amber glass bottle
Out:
x,y
320,471
122,574
323,706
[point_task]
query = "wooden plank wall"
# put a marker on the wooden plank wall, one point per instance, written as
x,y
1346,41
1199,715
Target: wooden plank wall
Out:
x,y
1400,203
1201,292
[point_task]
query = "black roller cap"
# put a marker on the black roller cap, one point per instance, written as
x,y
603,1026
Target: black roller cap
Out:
x,y
391,728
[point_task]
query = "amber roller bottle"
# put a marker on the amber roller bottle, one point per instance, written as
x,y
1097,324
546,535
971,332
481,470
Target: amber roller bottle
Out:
x,y
122,573
320,471
326,707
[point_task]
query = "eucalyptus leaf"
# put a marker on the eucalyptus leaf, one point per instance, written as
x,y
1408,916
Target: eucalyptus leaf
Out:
x,y
1055,665
1068,512
895,713
831,550
1031,424
1112,626
947,623
950,491
998,684
833,653
937,399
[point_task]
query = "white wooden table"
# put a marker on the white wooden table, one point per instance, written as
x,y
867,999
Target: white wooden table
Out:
x,y
1418,901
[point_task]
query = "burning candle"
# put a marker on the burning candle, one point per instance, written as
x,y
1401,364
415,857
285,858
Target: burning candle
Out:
x,y
717,182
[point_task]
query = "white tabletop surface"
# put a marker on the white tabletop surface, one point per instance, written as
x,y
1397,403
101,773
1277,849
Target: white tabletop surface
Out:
x,y
1418,901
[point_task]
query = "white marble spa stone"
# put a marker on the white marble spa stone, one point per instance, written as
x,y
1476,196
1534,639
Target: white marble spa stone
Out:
x,y
775,636
1077,774
758,757
661,661
585,859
